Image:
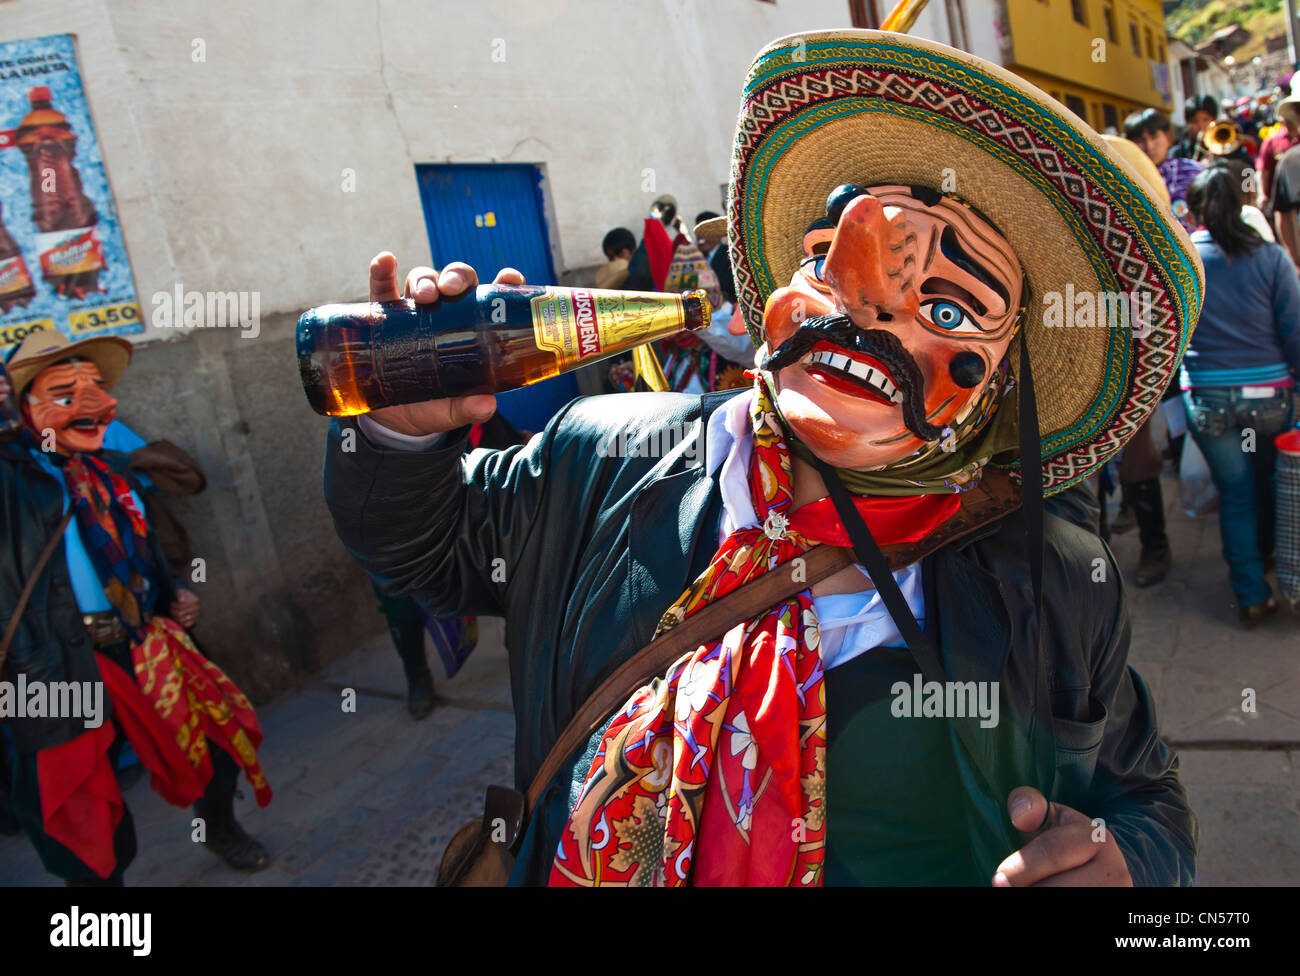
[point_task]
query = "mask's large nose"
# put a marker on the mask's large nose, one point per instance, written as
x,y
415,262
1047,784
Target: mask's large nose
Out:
x,y
93,399
871,265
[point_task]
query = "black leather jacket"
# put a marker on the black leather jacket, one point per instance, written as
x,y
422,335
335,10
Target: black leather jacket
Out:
x,y
592,548
51,643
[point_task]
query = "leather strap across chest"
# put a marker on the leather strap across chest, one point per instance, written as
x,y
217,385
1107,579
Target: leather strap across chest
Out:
x,y
993,498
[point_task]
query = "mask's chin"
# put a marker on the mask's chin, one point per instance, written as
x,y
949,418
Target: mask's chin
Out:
x,y
843,429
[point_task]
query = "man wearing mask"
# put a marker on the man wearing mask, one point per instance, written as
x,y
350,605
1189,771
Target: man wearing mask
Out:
x,y
91,601
866,485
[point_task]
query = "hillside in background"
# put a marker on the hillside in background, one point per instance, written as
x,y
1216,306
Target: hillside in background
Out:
x,y
1193,21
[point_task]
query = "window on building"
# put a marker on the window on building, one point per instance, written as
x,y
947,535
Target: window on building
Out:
x,y
1080,14
1160,50
1133,37
1108,13
1076,105
1151,47
1109,118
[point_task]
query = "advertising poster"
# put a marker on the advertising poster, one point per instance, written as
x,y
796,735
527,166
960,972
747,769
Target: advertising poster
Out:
x,y
62,261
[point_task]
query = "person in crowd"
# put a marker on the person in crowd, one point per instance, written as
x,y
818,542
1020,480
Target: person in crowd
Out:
x,y
95,602
1238,378
1142,504
619,245
713,358
1245,179
1199,111
1286,201
1273,148
1151,130
714,247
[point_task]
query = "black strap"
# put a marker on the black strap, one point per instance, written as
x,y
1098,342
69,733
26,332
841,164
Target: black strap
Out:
x,y
873,560
1031,485
922,648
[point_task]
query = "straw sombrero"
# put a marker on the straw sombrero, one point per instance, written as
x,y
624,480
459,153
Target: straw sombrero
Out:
x,y
46,347
875,108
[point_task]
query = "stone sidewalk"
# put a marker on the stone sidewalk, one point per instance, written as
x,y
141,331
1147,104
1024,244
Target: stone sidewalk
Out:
x,y
1241,768
371,797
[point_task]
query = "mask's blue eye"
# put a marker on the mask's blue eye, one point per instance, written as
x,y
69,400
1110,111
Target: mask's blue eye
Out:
x,y
814,264
946,315
950,317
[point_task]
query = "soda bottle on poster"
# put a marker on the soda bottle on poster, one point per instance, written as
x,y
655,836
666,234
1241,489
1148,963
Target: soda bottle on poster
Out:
x,y
16,288
71,252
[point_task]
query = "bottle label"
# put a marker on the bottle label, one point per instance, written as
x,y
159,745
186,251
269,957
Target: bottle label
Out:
x,y
577,324
70,251
13,275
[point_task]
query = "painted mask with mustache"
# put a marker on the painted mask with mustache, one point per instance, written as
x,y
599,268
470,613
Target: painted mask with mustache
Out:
x,y
901,310
69,398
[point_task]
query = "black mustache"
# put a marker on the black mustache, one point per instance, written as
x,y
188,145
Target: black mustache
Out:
x,y
880,344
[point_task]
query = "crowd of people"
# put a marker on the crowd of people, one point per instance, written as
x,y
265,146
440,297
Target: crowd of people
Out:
x,y
1234,184
672,257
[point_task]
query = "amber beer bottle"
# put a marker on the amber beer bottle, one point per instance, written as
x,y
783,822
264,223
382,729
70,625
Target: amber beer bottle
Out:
x,y
359,357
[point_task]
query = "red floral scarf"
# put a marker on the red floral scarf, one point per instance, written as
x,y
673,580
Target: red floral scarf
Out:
x,y
730,745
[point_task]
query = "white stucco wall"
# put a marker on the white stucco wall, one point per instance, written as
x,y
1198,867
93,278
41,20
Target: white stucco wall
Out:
x,y
228,171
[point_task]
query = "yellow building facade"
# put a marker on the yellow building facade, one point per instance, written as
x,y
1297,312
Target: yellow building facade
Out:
x,y
1102,58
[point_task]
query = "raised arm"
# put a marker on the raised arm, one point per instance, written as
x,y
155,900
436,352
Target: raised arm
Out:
x,y
417,516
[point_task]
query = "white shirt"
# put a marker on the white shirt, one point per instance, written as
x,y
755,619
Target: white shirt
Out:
x,y
850,623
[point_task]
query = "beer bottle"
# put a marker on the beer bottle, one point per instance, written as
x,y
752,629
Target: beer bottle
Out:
x,y
359,357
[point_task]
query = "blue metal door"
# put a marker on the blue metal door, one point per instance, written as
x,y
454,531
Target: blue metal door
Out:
x,y
490,216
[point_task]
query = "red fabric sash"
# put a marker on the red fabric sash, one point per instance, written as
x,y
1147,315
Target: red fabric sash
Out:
x,y
81,805
175,704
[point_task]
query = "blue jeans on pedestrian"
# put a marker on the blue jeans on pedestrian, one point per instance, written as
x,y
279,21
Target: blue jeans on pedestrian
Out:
x,y
1235,433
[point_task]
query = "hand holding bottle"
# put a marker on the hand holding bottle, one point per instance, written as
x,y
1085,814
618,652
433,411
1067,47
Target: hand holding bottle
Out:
x,y
431,361
426,286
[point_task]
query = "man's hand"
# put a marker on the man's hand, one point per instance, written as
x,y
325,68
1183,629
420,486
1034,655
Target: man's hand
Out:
x,y
185,608
425,286
1062,847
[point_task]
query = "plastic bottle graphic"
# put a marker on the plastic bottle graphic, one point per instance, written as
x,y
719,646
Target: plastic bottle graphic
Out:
x,y
71,252
16,288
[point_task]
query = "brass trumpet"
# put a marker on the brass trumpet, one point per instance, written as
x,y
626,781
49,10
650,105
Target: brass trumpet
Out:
x,y
1221,137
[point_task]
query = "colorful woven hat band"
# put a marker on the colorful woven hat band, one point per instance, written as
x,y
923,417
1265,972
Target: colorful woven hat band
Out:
x,y
875,109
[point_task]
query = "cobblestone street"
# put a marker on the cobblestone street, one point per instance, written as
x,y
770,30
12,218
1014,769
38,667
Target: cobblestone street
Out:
x,y
371,797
